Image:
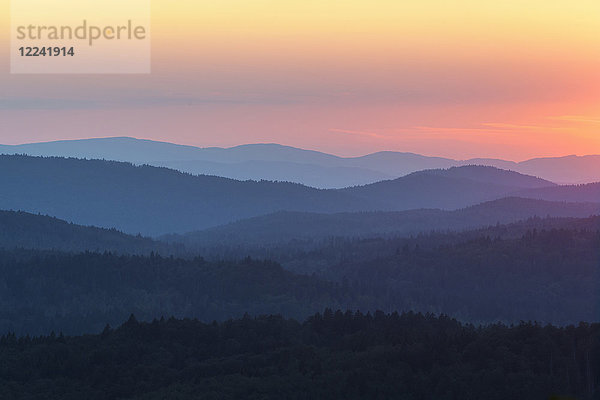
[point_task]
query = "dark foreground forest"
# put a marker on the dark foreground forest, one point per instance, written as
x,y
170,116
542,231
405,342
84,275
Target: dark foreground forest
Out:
x,y
545,270
329,356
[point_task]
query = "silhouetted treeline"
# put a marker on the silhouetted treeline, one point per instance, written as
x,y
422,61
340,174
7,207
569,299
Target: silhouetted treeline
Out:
x,y
333,355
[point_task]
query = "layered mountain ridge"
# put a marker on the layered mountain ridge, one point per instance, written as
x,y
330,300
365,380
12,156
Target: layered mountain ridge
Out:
x,y
285,163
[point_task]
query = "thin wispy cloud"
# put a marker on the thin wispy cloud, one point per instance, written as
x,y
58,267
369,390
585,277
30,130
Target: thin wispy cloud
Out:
x,y
359,133
578,118
441,129
520,127
146,101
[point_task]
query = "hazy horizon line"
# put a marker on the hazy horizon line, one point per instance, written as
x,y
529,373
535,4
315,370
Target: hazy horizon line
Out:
x,y
163,141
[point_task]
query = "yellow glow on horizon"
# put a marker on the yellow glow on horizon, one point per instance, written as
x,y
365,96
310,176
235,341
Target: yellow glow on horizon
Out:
x,y
379,66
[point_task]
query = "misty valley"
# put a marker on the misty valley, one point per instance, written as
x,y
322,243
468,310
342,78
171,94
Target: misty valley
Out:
x,y
125,280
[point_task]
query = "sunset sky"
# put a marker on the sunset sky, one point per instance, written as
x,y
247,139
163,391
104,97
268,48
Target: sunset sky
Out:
x,y
463,78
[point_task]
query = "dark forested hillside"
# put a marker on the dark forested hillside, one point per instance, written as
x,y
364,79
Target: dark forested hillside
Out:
x,y
379,245
550,276
284,227
546,269
43,291
547,275
587,193
329,356
155,201
29,231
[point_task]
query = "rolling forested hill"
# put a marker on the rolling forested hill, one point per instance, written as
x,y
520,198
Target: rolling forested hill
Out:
x,y
548,275
145,199
581,193
155,201
285,226
29,231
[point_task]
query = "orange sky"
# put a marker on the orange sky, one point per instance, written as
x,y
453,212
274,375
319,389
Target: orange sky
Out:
x,y
510,79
